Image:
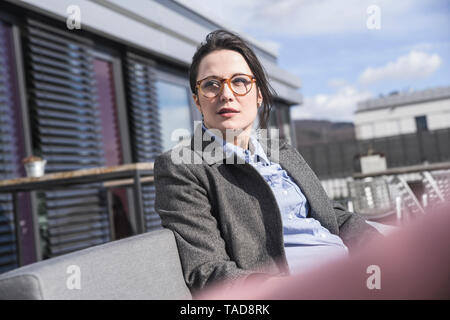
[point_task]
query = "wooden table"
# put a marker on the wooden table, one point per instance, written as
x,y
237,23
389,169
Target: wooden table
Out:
x,y
127,175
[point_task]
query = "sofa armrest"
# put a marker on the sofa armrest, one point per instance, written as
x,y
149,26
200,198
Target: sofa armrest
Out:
x,y
145,266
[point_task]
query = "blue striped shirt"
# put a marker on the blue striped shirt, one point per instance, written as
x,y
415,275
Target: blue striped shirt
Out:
x,y
307,243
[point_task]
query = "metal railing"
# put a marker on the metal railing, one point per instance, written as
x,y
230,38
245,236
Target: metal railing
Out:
x,y
381,196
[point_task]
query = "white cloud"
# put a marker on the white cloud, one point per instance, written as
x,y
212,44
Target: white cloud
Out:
x,y
338,106
415,65
337,83
295,18
430,46
271,45
342,102
301,17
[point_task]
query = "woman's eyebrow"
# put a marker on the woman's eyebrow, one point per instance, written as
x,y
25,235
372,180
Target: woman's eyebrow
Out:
x,y
234,74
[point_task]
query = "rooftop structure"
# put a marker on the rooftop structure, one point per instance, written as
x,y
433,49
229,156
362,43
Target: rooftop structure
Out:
x,y
396,99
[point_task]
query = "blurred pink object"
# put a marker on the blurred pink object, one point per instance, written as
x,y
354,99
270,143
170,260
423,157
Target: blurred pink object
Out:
x,y
411,263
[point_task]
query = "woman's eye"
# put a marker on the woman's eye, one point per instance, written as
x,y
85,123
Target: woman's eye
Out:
x,y
211,84
240,81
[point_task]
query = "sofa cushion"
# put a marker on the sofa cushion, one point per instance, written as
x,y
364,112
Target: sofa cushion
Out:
x,y
145,266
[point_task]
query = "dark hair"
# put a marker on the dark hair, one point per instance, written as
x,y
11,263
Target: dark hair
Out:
x,y
225,40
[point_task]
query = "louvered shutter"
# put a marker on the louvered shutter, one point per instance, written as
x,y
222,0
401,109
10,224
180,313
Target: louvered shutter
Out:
x,y
145,125
8,148
67,133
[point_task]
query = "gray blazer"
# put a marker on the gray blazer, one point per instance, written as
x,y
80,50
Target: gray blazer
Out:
x,y
225,218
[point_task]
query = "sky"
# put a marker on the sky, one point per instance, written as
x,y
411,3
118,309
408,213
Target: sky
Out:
x,y
346,51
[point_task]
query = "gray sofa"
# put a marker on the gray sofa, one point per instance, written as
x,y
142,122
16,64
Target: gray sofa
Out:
x,y
146,266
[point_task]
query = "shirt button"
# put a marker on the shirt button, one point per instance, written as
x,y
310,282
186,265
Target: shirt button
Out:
x,y
323,235
285,192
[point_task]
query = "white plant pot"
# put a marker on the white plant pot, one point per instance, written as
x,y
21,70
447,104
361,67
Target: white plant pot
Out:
x,y
35,168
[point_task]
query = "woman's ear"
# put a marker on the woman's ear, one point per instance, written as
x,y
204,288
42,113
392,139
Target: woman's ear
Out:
x,y
259,99
197,103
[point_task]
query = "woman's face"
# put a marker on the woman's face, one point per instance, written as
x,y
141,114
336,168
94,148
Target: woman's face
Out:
x,y
225,64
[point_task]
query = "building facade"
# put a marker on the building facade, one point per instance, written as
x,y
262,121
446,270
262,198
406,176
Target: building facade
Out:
x,y
109,93
401,150
403,113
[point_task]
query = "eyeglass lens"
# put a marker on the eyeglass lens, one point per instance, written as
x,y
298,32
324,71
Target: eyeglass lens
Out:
x,y
240,84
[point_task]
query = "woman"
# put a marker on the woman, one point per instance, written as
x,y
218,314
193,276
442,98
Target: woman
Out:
x,y
253,207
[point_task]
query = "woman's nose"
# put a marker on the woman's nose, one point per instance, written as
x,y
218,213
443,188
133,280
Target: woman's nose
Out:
x,y
226,93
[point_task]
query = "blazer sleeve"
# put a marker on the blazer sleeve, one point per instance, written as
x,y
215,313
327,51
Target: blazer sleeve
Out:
x,y
353,228
184,207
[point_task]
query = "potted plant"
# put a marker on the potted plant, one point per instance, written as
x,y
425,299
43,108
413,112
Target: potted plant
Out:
x,y
34,166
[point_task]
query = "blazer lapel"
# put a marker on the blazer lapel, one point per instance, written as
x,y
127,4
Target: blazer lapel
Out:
x,y
304,177
294,164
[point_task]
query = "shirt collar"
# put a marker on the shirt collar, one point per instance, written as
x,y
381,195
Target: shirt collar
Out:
x,y
255,148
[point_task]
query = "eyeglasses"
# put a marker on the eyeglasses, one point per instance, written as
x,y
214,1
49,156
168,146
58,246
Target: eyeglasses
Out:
x,y
240,84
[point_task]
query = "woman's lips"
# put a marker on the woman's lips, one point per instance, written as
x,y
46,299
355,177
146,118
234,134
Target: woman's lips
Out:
x,y
227,112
